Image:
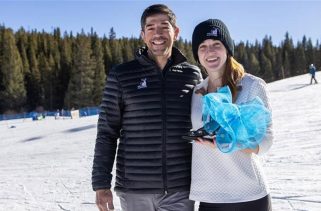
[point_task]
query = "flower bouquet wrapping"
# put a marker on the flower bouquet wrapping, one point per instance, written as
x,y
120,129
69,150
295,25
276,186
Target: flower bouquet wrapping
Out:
x,y
237,126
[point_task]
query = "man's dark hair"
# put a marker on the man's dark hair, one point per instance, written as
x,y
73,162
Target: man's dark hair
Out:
x,y
158,9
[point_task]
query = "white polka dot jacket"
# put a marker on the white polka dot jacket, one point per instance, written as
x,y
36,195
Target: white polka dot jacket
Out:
x,y
219,177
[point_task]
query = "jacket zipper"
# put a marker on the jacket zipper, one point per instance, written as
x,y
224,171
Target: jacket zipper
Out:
x,y
163,92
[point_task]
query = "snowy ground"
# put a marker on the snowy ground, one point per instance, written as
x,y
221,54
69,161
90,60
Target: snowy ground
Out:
x,y
46,165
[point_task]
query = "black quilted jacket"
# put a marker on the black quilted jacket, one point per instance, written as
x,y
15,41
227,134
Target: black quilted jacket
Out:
x,y
148,110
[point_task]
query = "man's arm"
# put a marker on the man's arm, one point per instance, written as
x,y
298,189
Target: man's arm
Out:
x,y
108,130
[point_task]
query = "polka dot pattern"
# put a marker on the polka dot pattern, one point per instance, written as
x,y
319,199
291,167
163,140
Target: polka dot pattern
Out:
x,y
228,178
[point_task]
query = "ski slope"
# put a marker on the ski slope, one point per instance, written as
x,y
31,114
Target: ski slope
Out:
x,y
46,165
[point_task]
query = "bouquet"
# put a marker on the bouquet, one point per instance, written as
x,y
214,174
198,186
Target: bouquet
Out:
x,y
236,126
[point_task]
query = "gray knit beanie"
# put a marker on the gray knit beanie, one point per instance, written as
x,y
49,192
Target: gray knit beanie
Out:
x,y
212,29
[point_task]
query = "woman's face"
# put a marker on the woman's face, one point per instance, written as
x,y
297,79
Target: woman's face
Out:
x,y
212,55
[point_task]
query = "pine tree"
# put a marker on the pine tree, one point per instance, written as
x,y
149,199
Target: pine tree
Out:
x,y
269,53
65,71
46,80
180,45
310,53
2,86
300,61
34,91
22,44
189,52
116,52
278,67
99,70
286,64
138,43
127,50
265,67
54,61
107,55
254,64
241,55
287,54
318,55
13,93
112,34
81,85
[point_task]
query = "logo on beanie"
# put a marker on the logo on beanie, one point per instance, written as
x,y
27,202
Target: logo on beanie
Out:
x,y
213,33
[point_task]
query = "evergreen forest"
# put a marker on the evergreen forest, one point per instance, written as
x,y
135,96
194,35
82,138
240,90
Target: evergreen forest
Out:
x,y
50,71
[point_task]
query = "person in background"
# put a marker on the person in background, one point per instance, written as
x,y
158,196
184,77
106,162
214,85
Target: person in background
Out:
x,y
312,71
226,181
146,105
57,114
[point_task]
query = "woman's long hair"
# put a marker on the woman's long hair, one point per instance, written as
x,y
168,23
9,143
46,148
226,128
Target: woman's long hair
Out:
x,y
234,71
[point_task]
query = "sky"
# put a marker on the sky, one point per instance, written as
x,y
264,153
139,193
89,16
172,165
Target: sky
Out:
x,y
246,20
46,164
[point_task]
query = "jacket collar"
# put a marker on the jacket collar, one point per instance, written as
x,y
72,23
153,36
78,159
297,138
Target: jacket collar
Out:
x,y
142,56
201,88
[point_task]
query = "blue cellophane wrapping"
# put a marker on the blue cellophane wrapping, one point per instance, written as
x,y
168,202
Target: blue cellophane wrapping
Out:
x,y
237,126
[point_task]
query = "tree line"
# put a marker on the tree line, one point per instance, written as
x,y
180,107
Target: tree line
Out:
x,y
41,70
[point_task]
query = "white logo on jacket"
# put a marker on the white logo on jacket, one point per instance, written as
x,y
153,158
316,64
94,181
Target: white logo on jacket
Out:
x,y
142,84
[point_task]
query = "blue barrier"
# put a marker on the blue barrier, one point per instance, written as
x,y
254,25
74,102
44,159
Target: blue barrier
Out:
x,y
87,111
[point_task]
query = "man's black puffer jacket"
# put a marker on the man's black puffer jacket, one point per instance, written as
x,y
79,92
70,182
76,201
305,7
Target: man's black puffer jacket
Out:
x,y
149,111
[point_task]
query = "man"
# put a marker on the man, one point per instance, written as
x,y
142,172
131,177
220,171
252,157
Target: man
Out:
x,y
312,71
146,104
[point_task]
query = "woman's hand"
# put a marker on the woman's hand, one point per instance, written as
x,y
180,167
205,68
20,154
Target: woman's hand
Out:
x,y
206,142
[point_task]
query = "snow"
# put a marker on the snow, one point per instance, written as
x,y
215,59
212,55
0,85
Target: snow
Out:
x,y
46,165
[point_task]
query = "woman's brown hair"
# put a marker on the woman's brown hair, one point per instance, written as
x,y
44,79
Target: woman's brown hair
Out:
x,y
234,71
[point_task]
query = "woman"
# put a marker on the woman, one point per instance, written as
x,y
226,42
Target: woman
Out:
x,y
226,181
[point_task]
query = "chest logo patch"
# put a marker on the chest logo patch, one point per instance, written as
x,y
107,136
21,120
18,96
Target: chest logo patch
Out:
x,y
142,84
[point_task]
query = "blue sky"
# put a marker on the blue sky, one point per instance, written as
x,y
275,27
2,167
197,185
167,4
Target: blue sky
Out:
x,y
246,20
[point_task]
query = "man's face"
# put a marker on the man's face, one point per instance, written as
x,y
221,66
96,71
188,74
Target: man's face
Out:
x,y
159,35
